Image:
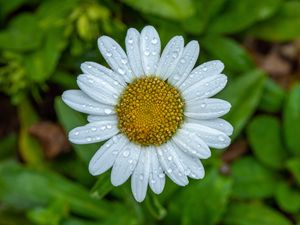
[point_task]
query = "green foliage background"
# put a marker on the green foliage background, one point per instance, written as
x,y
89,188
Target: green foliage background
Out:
x,y
42,44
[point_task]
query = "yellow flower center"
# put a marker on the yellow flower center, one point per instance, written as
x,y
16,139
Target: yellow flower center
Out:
x,y
150,111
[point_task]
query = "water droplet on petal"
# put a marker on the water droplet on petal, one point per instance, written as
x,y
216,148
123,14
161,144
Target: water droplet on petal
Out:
x,y
141,177
107,111
154,41
121,71
221,138
88,139
203,105
169,170
126,153
130,40
94,129
108,54
146,53
161,175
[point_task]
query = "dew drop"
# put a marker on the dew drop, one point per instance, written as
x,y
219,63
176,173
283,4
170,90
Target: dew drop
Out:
x,y
170,158
108,54
94,129
154,41
130,41
141,177
221,138
121,71
124,61
203,105
103,128
108,126
153,181
89,66
126,153
182,60
169,170
107,111
146,53
76,133
89,139
161,175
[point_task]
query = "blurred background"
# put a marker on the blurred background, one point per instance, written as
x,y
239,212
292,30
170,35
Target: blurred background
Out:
x,y
44,180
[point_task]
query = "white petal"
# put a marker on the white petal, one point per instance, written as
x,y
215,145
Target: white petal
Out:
x,y
208,108
169,57
218,124
96,69
192,144
205,88
150,49
105,157
93,132
125,163
193,166
81,102
140,176
171,164
212,137
157,176
132,43
98,89
94,118
202,71
115,57
186,63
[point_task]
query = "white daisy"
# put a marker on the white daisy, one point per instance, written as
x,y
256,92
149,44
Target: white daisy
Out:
x,y
155,111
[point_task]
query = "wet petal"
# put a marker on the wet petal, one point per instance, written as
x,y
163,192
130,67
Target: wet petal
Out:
x,y
157,176
203,71
205,88
171,164
150,49
192,166
186,63
192,144
115,57
81,102
208,108
169,57
105,157
125,164
93,132
96,69
98,89
132,42
218,124
212,137
140,176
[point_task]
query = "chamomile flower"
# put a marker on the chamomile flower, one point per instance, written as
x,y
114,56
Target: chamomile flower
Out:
x,y
154,111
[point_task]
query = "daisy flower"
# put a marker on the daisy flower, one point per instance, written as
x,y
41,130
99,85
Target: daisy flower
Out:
x,y
154,111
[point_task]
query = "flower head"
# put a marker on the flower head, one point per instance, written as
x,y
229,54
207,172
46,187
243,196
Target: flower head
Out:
x,y
155,111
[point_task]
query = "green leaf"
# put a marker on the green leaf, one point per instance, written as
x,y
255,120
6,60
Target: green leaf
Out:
x,y
30,150
250,214
203,202
244,94
282,26
234,56
198,22
288,198
8,146
155,207
71,119
269,149
22,34
291,120
252,180
171,9
102,187
293,165
241,14
42,63
272,97
25,188
50,215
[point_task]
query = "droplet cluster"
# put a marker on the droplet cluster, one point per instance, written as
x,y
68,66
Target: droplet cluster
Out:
x,y
150,111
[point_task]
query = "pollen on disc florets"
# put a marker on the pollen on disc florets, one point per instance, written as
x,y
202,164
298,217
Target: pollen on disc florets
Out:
x,y
150,111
